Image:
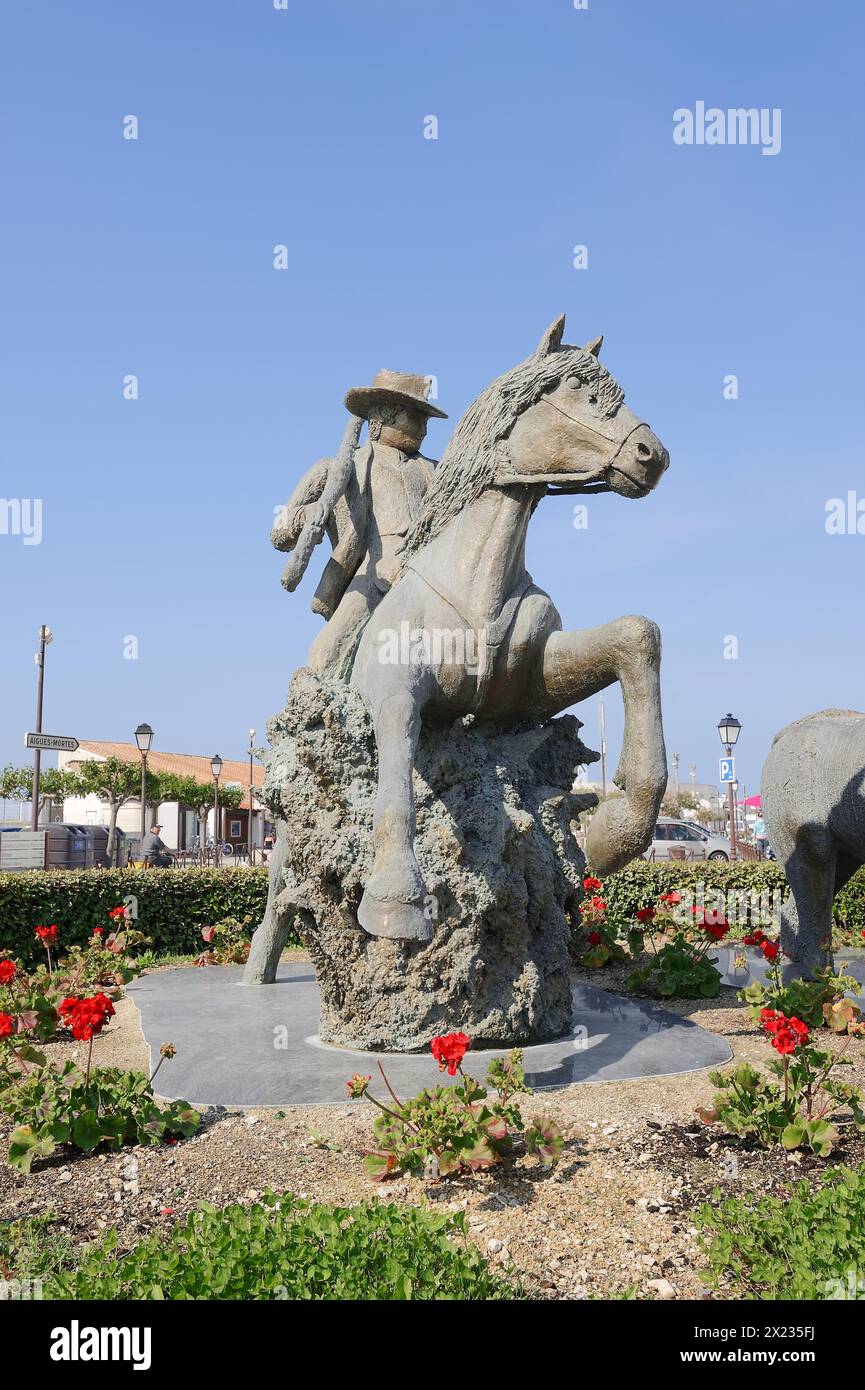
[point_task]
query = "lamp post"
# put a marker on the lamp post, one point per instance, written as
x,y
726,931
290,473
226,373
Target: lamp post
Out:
x,y
729,730
144,738
45,636
216,768
251,754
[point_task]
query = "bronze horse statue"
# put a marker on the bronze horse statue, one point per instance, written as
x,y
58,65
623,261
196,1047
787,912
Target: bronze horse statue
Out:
x,y
555,424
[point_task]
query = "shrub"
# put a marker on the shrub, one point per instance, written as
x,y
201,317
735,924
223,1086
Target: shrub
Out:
x,y
641,882
169,905
283,1248
810,1245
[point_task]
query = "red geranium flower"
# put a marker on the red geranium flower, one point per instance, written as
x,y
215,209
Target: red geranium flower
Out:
x,y
786,1034
7,1025
86,1017
670,898
770,949
592,885
645,914
98,931
7,971
598,904
117,912
595,938
753,938
450,1050
717,931
47,935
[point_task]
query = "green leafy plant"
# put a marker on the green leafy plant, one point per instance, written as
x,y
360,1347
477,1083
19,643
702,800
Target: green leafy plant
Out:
x,y
450,1129
680,966
228,941
282,1248
820,1001
57,1104
809,1245
32,999
796,1110
606,936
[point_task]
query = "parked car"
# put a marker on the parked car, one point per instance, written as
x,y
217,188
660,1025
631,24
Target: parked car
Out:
x,y
693,840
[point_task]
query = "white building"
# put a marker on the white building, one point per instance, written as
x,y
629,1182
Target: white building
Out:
x,y
180,825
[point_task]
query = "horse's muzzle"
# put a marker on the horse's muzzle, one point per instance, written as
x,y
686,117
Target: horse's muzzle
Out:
x,y
638,464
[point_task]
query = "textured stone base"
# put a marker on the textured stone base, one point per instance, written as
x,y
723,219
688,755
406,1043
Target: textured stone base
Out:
x,y
502,870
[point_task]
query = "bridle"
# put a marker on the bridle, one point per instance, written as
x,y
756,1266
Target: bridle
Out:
x,y
552,479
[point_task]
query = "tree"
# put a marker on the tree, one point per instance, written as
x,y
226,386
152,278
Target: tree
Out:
x,y
14,784
115,782
199,796
675,803
55,784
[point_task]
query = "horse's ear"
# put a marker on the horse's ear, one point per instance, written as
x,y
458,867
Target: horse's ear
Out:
x,y
594,347
552,339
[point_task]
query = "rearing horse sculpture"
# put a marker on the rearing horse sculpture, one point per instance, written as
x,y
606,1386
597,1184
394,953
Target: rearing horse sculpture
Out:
x,y
555,424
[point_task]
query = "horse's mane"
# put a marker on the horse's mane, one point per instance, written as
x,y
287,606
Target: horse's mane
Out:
x,y
471,460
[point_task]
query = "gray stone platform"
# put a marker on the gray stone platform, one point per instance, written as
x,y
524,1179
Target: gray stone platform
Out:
x,y
243,1046
852,958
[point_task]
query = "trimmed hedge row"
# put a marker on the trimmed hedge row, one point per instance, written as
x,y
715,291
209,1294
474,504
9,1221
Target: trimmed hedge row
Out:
x,y
171,905
174,904
641,883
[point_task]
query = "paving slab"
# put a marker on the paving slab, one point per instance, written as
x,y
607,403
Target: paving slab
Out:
x,y
258,1046
853,959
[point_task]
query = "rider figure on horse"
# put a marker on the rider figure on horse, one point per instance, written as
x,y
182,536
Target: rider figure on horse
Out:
x,y
366,498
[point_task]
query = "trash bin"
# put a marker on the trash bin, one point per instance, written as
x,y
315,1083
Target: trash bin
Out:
x,y
96,845
66,847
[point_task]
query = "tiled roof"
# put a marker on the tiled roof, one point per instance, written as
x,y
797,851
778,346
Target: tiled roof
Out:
x,y
184,764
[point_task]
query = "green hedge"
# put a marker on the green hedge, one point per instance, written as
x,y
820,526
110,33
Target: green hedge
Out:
x,y
172,904
641,883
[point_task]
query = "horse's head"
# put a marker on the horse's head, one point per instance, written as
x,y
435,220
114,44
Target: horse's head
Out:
x,y
574,432
556,422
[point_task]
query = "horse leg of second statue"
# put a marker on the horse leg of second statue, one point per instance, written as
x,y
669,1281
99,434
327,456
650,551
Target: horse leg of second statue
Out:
x,y
394,897
579,664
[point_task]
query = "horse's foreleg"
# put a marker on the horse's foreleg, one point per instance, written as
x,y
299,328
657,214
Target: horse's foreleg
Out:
x,y
393,901
579,664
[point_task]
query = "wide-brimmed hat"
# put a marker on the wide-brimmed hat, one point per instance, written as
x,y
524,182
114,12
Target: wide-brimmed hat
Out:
x,y
392,388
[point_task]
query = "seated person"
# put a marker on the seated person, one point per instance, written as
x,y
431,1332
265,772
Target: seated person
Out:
x,y
154,851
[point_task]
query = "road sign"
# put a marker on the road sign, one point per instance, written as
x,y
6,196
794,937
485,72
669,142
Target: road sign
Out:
x,y
728,770
44,741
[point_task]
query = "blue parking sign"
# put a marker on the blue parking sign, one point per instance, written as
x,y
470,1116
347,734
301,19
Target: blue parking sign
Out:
x,y
728,770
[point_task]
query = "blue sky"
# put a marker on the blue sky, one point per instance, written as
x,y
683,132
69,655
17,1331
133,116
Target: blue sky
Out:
x,y
304,126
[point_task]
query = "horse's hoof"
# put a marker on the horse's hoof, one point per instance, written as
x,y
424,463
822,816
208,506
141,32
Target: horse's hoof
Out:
x,y
399,921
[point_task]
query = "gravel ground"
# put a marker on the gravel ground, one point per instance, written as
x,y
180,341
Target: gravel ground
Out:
x,y
617,1210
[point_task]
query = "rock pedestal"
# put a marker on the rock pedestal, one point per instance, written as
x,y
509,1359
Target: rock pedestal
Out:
x,y
501,866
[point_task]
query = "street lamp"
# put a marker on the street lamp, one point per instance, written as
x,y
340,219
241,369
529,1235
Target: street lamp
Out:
x,y
45,636
144,738
216,768
251,755
729,730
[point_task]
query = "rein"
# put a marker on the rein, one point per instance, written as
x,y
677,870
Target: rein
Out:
x,y
507,479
